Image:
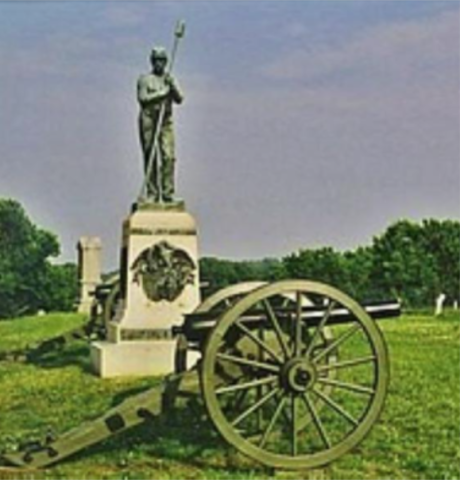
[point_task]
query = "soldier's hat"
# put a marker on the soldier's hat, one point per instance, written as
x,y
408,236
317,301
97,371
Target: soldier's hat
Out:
x,y
158,52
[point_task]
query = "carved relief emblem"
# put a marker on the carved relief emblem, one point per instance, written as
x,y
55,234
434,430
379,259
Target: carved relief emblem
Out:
x,y
163,271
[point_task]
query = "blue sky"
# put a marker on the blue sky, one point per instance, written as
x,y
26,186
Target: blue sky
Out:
x,y
306,123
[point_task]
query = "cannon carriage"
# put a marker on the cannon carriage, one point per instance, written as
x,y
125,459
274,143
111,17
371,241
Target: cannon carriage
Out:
x,y
292,374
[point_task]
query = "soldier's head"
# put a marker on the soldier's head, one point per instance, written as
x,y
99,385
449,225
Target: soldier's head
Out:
x,y
159,60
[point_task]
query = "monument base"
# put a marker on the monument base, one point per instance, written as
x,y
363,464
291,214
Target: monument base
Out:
x,y
159,285
159,269
136,358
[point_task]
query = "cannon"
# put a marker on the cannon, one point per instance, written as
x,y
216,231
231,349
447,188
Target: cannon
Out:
x,y
292,374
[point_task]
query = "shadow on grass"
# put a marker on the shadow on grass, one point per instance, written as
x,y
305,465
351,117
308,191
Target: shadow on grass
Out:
x,y
74,354
182,436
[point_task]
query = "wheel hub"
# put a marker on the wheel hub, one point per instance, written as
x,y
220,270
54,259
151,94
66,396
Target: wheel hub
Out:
x,y
298,375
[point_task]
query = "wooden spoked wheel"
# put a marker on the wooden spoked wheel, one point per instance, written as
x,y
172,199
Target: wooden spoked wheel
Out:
x,y
281,391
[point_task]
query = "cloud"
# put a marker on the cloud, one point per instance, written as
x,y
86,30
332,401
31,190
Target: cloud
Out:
x,y
392,51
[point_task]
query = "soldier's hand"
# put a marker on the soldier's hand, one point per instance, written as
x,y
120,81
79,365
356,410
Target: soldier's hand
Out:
x,y
164,92
174,90
171,82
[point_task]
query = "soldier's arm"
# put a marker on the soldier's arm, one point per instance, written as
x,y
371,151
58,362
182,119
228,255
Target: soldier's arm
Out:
x,y
174,90
145,96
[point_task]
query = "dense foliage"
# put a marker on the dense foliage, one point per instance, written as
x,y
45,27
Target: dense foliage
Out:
x,y
417,262
414,262
217,273
28,281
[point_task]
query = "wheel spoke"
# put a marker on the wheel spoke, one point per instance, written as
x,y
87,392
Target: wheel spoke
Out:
x,y
273,420
260,389
285,303
316,420
247,385
255,407
298,325
347,386
248,362
294,424
345,336
258,341
239,400
346,363
335,406
320,327
274,321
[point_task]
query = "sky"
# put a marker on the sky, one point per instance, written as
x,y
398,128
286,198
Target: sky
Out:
x,y
305,123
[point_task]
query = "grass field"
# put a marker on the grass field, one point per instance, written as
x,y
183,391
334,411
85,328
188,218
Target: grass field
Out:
x,y
28,331
417,437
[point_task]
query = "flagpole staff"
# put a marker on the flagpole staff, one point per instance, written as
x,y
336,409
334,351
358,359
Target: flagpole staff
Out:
x,y
179,33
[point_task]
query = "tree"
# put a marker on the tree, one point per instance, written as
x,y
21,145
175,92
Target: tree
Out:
x,y
358,266
441,240
403,266
60,289
219,273
27,279
322,265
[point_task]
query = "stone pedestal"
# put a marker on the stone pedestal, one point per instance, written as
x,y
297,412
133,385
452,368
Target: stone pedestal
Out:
x,y
89,268
135,358
159,285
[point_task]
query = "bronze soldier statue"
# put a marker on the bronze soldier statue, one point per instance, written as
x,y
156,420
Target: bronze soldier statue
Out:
x,y
156,93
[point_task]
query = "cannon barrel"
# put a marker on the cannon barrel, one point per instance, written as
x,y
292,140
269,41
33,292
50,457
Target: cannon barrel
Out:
x,y
197,325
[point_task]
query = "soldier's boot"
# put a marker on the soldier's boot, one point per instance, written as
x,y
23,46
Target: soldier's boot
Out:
x,y
152,193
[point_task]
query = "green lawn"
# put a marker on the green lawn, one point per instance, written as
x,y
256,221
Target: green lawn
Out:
x,y
418,435
27,331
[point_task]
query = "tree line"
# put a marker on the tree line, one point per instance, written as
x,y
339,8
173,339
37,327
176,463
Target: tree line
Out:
x,y
410,261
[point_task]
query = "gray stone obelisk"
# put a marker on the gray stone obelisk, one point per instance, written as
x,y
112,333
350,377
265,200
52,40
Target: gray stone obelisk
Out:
x,y
89,270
